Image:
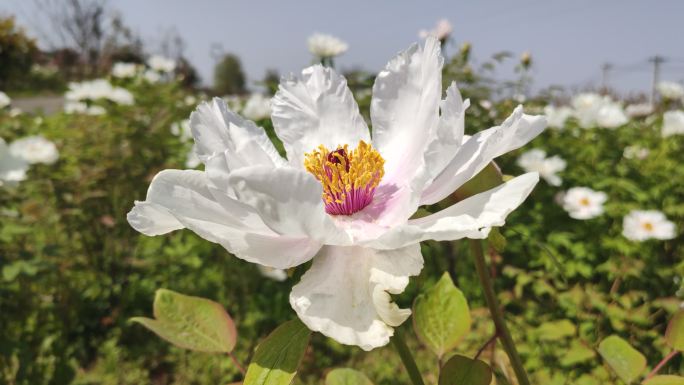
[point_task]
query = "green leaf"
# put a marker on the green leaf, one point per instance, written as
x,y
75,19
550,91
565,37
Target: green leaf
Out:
x,y
627,362
674,335
664,380
277,357
441,317
346,376
487,179
461,370
191,322
555,330
578,353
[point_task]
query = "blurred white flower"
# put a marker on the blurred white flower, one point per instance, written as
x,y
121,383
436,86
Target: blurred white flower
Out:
x,y
583,202
592,110
72,107
258,107
486,104
640,225
441,31
190,100
282,213
12,168
4,100
272,273
124,70
557,116
326,46
182,130
192,160
151,76
673,123
670,90
535,160
611,115
15,111
635,152
161,64
95,90
35,149
639,110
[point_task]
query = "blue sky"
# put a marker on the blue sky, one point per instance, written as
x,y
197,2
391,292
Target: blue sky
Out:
x,y
569,40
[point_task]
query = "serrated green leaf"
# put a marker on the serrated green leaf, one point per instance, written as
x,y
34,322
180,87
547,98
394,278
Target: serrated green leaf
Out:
x,y
664,380
627,362
674,335
191,322
277,357
441,317
554,330
346,376
461,370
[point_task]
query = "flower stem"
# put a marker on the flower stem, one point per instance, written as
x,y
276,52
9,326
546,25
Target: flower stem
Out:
x,y
662,363
407,359
497,315
237,364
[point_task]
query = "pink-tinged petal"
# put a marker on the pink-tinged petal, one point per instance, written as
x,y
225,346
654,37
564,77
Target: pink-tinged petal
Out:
x,y
480,149
183,199
289,201
317,108
345,293
405,109
470,218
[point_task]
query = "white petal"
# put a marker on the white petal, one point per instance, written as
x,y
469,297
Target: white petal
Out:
x,y
480,149
405,108
289,201
344,294
470,218
178,199
316,109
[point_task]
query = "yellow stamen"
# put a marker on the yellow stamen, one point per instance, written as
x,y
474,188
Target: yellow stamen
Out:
x,y
648,226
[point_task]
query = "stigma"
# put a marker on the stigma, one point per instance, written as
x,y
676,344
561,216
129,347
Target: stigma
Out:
x,y
349,178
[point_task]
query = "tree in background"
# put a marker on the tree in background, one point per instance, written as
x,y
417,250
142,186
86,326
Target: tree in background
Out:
x,y
229,79
17,52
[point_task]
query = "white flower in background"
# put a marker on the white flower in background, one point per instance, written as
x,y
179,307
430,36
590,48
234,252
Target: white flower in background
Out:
x,y
639,110
161,64
35,149
182,130
192,160
234,102
340,198
557,116
670,90
611,115
12,168
71,107
486,104
583,202
673,123
124,70
441,31
15,111
535,160
151,76
190,100
326,46
258,107
96,90
641,225
636,152
275,274
4,100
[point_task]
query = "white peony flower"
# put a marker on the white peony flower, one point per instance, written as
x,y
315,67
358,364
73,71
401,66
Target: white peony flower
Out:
x,y
340,198
584,203
557,116
535,160
190,100
12,168
161,64
182,130
670,90
71,107
611,115
275,274
592,110
639,110
673,123
441,31
258,107
4,100
152,76
326,46
635,152
124,70
35,149
641,225
95,90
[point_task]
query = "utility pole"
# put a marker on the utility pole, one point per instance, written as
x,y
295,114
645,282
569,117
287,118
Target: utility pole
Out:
x,y
605,69
657,61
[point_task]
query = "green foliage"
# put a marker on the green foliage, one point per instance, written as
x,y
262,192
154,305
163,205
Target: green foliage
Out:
x,y
674,335
461,370
346,376
441,317
664,380
229,79
191,322
277,358
17,52
627,362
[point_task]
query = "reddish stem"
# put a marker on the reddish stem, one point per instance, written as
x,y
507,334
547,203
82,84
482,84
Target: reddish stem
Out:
x,y
237,364
662,363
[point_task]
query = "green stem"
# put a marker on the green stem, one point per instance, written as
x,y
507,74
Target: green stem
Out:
x,y
407,358
497,314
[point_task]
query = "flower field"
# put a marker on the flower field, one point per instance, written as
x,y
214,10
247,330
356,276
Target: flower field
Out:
x,y
420,225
